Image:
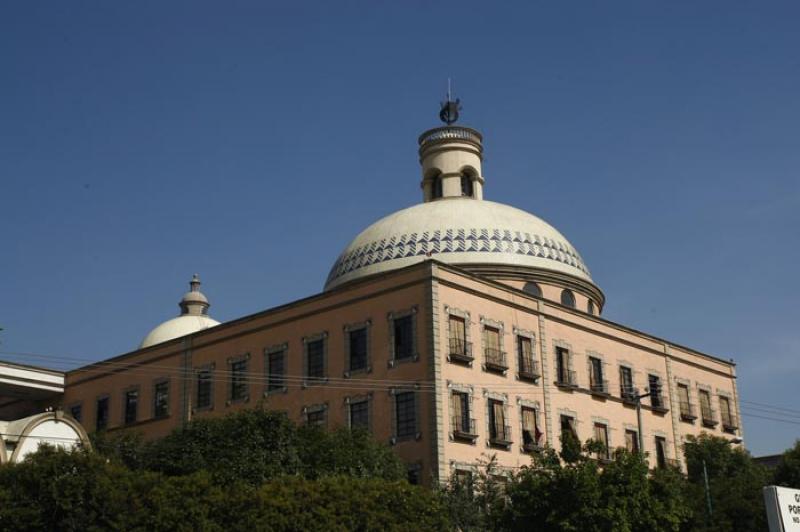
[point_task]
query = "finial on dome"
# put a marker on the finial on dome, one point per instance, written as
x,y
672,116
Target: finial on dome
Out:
x,y
194,302
449,111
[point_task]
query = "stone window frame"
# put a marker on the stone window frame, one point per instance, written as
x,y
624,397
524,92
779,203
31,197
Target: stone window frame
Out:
x,y
537,410
596,420
156,382
633,428
678,382
132,388
97,400
350,399
391,316
666,393
727,394
315,409
469,390
325,341
393,391
271,350
462,467
576,422
530,335
230,361
416,469
627,364
661,434
71,408
604,365
561,344
464,315
347,329
500,326
210,367
491,396
710,390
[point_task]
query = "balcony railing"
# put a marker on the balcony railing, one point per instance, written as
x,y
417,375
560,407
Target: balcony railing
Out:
x,y
495,359
598,386
500,435
688,412
460,350
657,403
709,417
528,368
566,379
464,428
729,423
628,393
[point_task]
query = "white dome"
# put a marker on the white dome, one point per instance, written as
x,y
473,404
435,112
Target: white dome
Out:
x,y
177,327
459,231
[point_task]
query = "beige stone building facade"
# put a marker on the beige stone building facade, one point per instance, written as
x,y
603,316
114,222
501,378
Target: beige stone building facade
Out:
x,y
453,330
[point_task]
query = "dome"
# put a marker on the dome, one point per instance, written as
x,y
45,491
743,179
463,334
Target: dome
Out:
x,y
194,317
459,231
177,327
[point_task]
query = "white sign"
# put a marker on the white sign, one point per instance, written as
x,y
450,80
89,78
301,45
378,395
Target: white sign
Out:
x,y
783,509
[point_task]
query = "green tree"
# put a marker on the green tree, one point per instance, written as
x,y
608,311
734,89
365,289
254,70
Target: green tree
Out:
x,y
735,485
788,471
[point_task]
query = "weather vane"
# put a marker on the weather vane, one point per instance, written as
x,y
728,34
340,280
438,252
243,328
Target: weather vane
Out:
x,y
450,108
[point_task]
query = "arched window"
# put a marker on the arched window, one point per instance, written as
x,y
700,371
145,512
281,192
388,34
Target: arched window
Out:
x,y
532,289
437,187
466,185
590,306
568,298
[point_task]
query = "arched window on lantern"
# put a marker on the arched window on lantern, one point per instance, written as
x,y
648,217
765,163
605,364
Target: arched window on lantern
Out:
x,y
568,298
532,289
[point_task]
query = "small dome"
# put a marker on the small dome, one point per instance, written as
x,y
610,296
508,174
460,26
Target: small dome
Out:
x,y
177,327
458,231
194,308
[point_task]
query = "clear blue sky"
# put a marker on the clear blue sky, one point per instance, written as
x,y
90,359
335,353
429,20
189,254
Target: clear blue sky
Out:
x,y
141,142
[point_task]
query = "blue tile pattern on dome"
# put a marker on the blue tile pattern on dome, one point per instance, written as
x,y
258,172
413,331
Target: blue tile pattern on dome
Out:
x,y
455,241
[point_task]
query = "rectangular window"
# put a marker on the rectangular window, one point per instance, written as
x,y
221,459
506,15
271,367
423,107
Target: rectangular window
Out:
x,y
203,391
131,406
161,399
656,397
596,382
276,370
358,349
238,383
499,432
626,390
564,373
463,425
315,361
527,362
568,429
414,473
76,411
687,409
405,406
530,429
728,419
495,357
631,441
317,417
706,411
359,414
661,451
459,349
601,436
404,337
101,419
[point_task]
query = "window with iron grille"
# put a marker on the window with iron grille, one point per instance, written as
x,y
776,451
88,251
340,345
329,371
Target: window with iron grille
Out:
x,y
568,429
656,397
101,419
276,370
358,349
131,406
661,451
76,411
403,337
498,431
315,360
632,441
460,414
405,414
530,427
601,436
526,358
203,390
563,366
728,419
359,414
161,399
596,382
458,337
626,382
238,383
317,417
